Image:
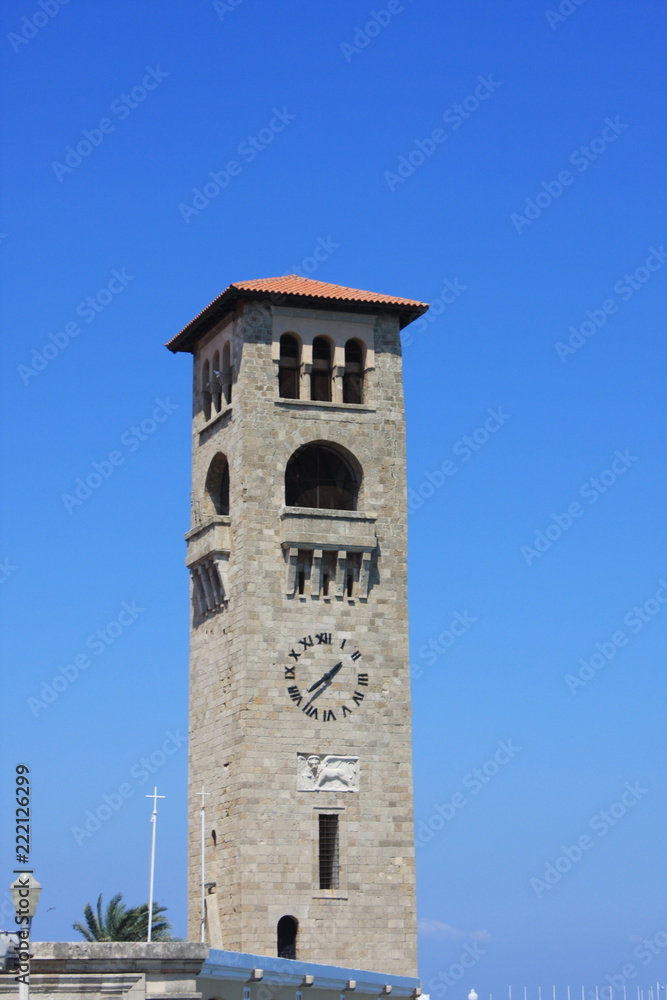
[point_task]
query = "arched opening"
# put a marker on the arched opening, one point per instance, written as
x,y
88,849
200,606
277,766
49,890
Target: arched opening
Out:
x,y
216,387
288,367
319,476
227,374
353,376
205,391
320,378
288,928
217,487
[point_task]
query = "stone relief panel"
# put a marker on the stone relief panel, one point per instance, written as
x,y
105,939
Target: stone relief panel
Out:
x,y
319,772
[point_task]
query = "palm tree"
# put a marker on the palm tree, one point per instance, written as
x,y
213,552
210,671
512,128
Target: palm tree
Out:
x,y
122,924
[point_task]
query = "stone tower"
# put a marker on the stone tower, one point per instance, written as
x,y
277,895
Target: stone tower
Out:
x,y
299,677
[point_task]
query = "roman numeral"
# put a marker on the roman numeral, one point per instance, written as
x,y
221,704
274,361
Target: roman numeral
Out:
x,y
290,675
295,655
310,710
328,715
294,694
346,711
307,641
342,645
355,655
323,638
362,680
358,697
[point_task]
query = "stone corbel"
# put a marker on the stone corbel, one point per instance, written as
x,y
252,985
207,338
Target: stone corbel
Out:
x,y
341,574
365,575
292,571
316,574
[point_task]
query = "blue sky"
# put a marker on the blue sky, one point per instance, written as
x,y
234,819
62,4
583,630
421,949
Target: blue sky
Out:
x,y
504,162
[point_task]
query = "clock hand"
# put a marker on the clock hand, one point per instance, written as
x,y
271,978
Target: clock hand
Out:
x,y
325,678
334,670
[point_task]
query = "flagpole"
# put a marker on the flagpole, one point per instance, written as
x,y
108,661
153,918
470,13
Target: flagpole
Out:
x,y
154,797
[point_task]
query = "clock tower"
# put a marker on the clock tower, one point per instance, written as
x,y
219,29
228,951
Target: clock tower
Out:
x,y
300,730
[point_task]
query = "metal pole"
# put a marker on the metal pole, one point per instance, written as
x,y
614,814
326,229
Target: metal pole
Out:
x,y
154,797
203,872
203,863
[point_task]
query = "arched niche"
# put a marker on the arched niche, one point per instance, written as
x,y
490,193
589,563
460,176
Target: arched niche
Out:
x,y
320,475
216,487
286,932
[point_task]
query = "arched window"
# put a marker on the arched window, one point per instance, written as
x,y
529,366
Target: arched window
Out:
x,y
205,391
288,368
217,487
317,476
288,928
226,378
216,387
320,378
353,377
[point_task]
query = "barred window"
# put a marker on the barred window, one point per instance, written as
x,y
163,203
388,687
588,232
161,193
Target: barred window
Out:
x,y
215,384
320,477
320,379
329,860
288,367
226,374
353,376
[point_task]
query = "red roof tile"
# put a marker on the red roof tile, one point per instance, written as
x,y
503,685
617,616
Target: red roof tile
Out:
x,y
290,287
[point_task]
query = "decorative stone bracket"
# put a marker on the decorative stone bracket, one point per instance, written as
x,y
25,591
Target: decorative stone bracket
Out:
x,y
337,539
208,561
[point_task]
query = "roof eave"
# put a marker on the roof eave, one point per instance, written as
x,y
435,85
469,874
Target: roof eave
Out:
x,y
186,340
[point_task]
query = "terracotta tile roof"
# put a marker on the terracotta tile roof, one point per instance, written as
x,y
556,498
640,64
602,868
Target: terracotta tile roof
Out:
x,y
292,284
294,289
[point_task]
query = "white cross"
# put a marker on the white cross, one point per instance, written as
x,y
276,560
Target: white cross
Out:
x,y
154,796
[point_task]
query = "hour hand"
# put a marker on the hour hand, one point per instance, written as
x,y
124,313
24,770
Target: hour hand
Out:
x,y
325,678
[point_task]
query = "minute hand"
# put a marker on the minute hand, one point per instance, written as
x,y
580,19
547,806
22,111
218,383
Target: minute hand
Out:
x,y
326,677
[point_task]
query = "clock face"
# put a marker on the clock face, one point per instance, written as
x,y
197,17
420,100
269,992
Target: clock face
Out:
x,y
325,676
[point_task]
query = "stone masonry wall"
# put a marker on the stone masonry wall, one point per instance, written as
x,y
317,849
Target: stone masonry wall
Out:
x,y
245,732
